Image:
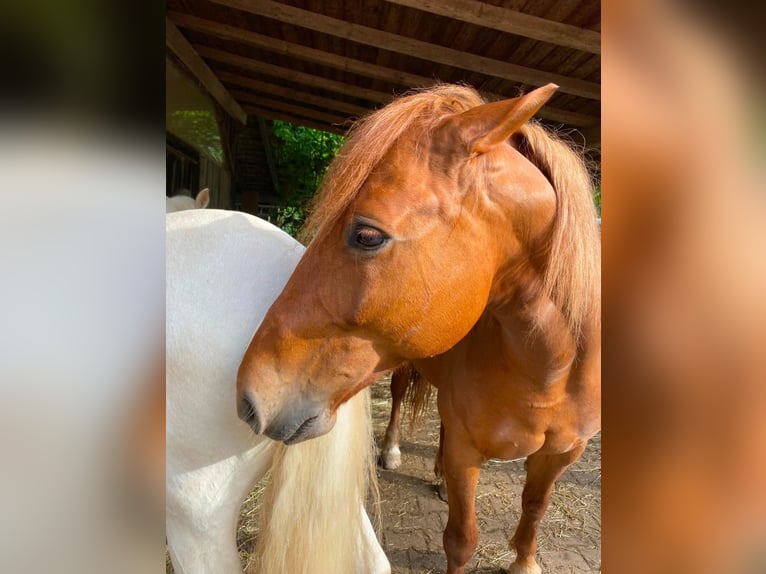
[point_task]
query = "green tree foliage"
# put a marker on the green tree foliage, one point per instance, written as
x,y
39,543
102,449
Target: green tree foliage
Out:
x,y
290,219
302,156
199,128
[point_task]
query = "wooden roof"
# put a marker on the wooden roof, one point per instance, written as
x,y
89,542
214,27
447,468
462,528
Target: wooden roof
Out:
x,y
322,63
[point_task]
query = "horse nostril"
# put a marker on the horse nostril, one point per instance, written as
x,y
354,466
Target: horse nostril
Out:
x,y
249,414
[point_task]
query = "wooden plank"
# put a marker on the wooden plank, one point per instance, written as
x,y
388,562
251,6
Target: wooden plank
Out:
x,y
276,115
180,46
547,112
361,68
292,109
269,154
511,21
293,75
300,52
411,47
292,94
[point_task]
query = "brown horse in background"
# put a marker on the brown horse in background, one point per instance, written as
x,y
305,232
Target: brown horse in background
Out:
x,y
407,386
488,223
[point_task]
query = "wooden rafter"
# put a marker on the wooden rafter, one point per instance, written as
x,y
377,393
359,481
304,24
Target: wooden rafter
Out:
x,y
298,51
293,75
270,163
291,94
358,67
292,109
277,115
552,114
511,21
411,47
180,46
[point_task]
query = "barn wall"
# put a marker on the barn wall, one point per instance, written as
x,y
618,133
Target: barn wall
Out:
x,y
218,180
184,95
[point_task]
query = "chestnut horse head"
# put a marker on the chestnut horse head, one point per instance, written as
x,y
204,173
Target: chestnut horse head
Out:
x,y
435,204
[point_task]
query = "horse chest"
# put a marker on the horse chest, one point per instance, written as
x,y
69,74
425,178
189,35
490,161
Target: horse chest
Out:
x,y
505,424
508,406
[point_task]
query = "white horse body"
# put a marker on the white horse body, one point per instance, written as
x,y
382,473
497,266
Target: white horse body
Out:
x,y
224,269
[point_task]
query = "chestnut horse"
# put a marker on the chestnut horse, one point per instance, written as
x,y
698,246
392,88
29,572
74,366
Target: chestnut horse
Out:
x,y
488,222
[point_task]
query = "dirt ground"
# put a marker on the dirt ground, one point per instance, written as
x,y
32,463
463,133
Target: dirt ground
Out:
x,y
413,517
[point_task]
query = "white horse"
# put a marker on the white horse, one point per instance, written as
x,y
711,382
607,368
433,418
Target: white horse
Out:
x,y
184,201
224,269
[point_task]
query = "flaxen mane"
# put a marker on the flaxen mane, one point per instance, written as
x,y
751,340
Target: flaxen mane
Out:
x,y
572,277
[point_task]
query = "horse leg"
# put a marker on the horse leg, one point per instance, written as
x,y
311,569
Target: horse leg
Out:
x,y
461,464
390,455
542,472
439,466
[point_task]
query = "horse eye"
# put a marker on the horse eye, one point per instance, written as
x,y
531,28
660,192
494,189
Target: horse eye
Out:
x,y
369,238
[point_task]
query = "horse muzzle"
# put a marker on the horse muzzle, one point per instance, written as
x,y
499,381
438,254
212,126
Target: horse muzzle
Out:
x,y
298,421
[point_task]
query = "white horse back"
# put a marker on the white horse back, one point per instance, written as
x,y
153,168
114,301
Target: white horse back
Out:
x,y
224,269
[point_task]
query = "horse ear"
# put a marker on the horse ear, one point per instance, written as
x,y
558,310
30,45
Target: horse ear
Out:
x,y
488,125
203,198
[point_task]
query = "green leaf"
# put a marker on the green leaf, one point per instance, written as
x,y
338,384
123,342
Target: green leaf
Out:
x,y
302,156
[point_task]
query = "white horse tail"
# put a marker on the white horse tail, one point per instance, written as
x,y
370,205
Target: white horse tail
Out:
x,y
312,514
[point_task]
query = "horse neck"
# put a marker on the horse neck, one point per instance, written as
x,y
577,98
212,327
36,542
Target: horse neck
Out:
x,y
522,221
532,324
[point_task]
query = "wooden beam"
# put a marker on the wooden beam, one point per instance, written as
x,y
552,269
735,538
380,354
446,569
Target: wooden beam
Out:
x,y
293,75
292,109
180,46
547,112
269,154
511,21
361,68
300,52
275,115
412,47
290,93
